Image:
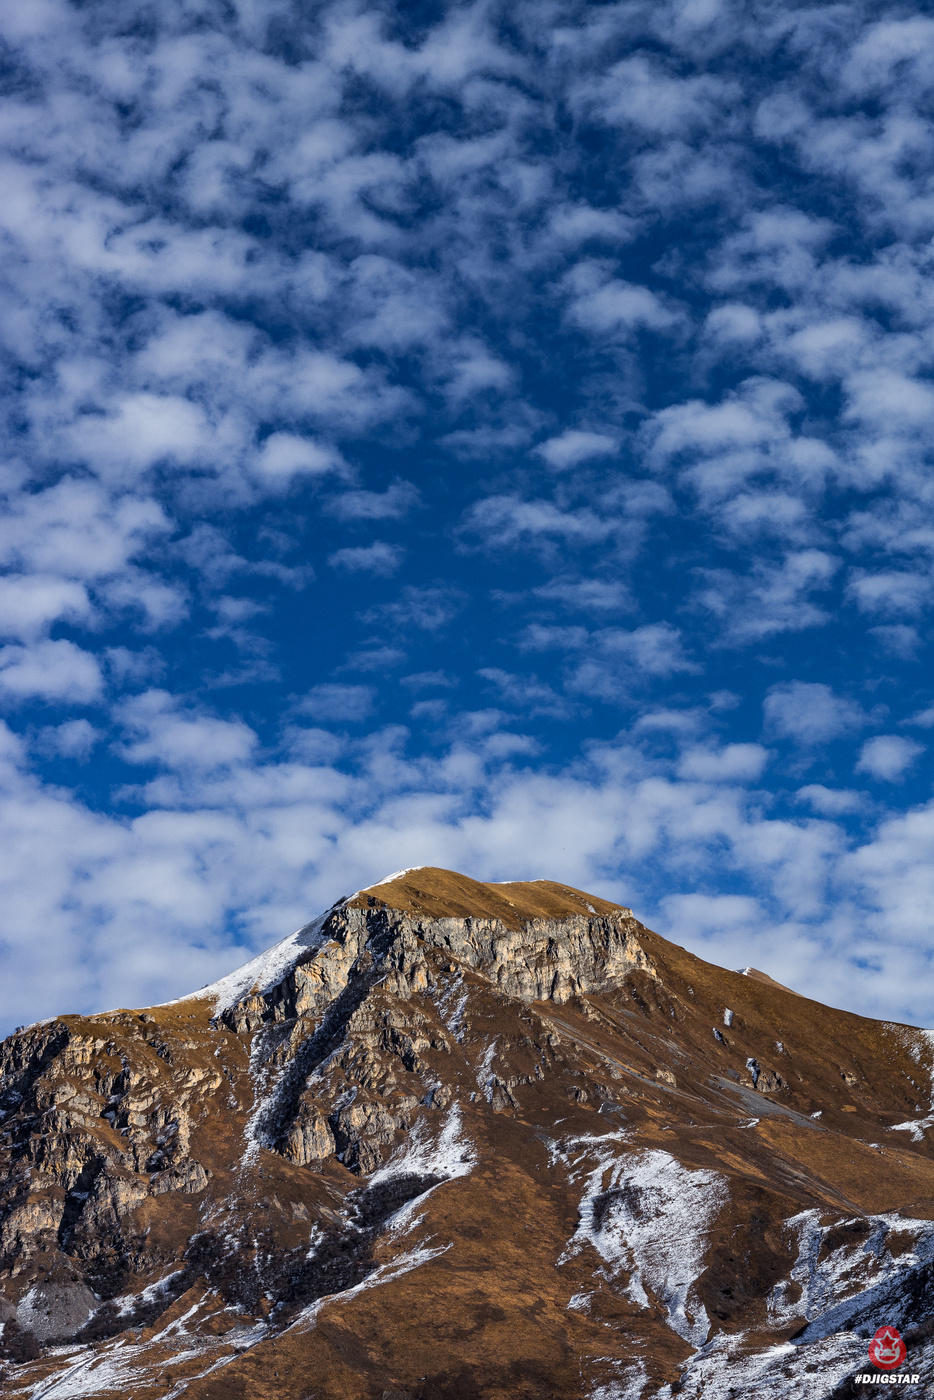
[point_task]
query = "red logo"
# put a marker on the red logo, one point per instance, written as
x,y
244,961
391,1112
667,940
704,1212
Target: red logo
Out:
x,y
887,1350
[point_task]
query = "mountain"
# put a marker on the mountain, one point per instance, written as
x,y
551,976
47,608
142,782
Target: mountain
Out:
x,y
453,1139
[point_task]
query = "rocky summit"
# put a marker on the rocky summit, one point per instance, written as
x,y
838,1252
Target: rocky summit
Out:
x,y
453,1139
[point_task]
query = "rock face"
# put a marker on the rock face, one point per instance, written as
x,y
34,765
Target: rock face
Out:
x,y
455,1139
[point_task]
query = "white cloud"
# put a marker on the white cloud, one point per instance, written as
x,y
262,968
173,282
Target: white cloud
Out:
x,y
30,604
52,671
733,763
830,802
776,598
702,914
399,498
340,703
809,712
891,592
428,608
74,739
141,430
163,733
574,224
639,92
614,660
77,529
888,756
285,455
588,595
882,398
607,306
891,51
574,446
507,519
377,558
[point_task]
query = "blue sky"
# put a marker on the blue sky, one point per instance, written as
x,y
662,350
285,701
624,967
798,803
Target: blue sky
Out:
x,y
484,435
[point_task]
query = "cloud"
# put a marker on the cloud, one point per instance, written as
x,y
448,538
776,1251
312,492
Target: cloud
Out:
x,y
348,704
776,598
878,398
808,712
576,445
638,92
396,501
607,306
428,608
830,802
76,529
163,733
889,51
703,914
508,519
888,757
49,671
377,558
574,224
284,456
30,604
527,693
890,592
75,738
733,763
614,660
587,595
139,431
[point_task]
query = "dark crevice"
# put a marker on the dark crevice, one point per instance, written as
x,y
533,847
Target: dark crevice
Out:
x,y
275,1122
76,1200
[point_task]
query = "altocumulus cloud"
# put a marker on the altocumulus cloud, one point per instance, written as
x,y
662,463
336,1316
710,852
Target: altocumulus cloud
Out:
x,y
495,436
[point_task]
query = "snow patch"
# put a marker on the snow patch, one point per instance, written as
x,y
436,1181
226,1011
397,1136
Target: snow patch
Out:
x,y
917,1127
485,1075
268,969
917,1041
388,879
449,1155
386,1273
262,973
647,1214
852,1281
726,1368
631,1388
450,1010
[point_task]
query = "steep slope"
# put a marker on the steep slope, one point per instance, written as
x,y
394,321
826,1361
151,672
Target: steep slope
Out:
x,y
460,1139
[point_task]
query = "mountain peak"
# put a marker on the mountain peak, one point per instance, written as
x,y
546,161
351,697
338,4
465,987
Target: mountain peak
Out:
x,y
467,918
431,892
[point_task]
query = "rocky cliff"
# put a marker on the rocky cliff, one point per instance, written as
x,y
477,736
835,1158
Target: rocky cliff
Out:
x,y
455,1139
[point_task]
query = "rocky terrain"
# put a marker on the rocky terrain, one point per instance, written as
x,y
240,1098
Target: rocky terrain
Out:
x,y
465,1140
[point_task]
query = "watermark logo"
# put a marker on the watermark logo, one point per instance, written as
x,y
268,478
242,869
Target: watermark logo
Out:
x,y
887,1350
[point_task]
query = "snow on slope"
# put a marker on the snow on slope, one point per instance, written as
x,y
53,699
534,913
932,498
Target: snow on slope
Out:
x,y
918,1041
449,1155
268,969
646,1213
263,972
